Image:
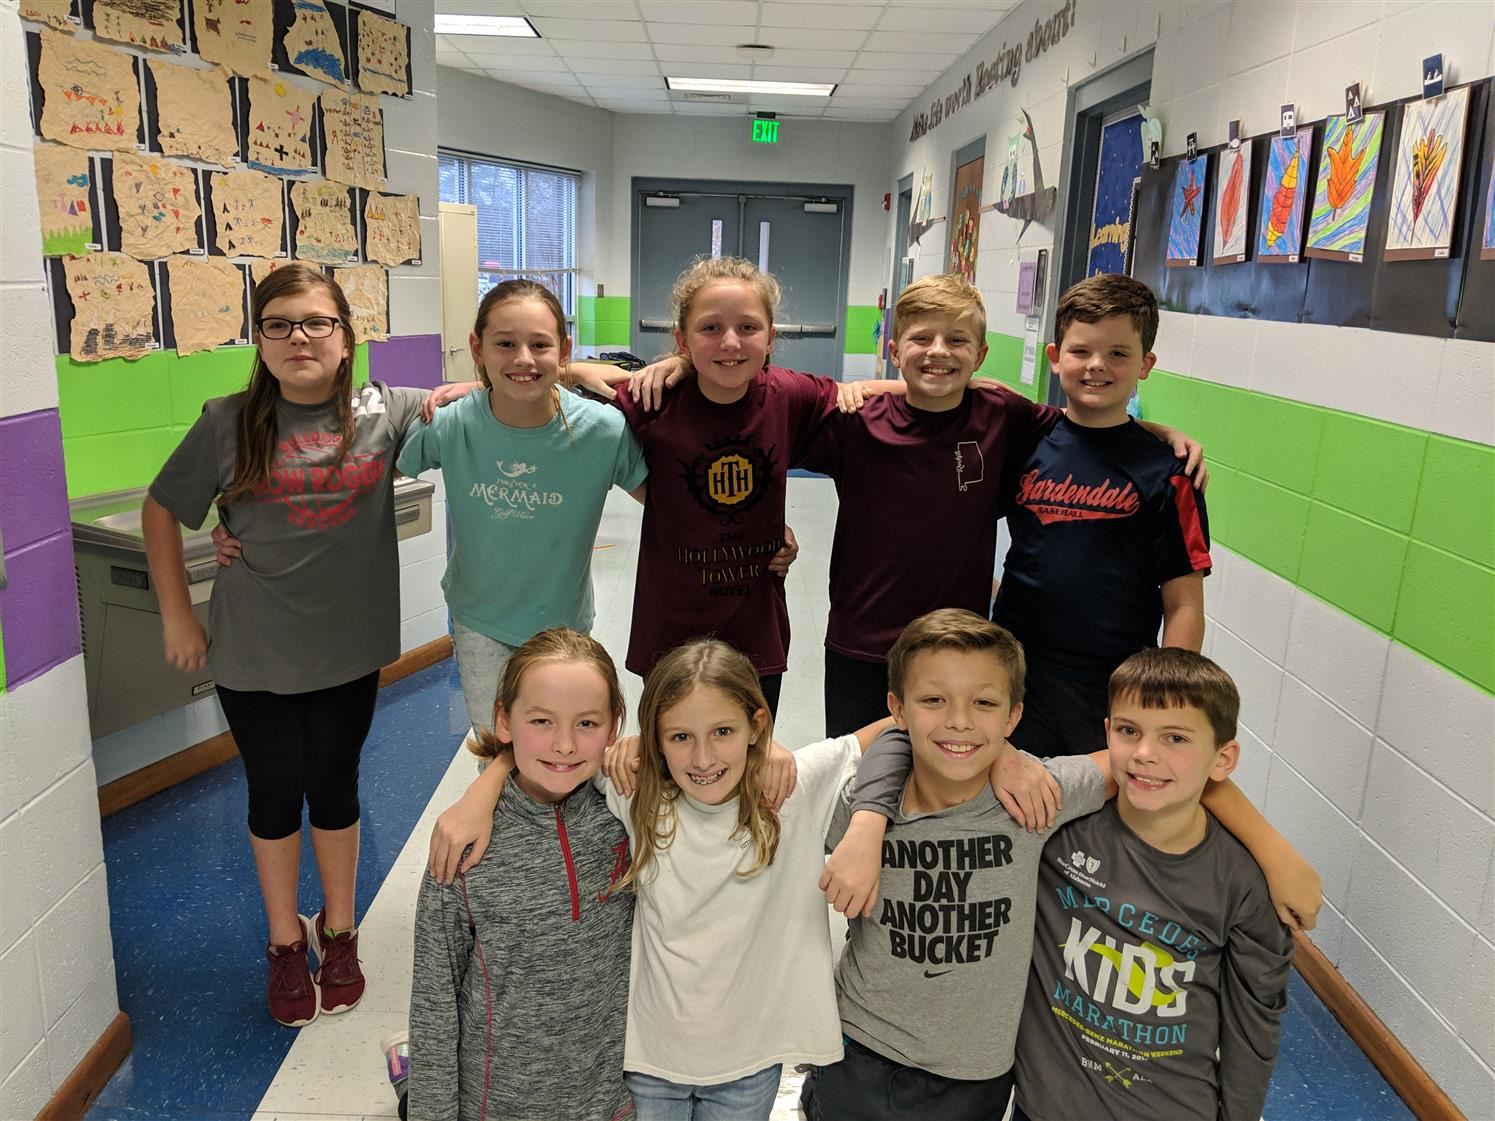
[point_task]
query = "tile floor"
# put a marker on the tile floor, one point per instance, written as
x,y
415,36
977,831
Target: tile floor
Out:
x,y
188,930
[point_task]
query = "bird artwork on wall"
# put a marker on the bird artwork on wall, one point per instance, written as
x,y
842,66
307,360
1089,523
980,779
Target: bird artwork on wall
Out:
x,y
1025,197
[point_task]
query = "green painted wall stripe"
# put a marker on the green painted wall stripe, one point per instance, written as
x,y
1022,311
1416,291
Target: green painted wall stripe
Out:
x,y
120,420
1390,524
862,335
1004,361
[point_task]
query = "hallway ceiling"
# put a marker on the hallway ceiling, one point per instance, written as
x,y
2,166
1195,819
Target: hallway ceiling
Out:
x,y
615,54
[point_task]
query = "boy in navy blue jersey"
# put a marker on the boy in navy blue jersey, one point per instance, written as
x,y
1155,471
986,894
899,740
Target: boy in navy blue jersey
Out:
x,y
1109,536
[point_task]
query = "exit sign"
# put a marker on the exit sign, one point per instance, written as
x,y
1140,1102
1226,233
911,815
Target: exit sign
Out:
x,y
765,131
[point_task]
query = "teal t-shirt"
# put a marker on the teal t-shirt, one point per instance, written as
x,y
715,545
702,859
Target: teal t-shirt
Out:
x,y
525,504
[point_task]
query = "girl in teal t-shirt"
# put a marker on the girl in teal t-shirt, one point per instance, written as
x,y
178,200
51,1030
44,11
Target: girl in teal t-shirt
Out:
x,y
527,468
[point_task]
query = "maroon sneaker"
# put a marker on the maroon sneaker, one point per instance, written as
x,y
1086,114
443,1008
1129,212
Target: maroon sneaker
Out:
x,y
293,994
339,977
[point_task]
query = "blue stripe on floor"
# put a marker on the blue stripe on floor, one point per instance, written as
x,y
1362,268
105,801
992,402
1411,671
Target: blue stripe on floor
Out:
x,y
189,926
190,955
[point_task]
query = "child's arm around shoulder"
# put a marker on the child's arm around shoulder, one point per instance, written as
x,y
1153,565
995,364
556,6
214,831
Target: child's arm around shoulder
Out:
x,y
468,821
1294,885
1253,997
1183,612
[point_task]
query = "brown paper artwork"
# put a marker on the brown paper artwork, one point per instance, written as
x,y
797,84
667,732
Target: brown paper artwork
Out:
x,y
391,228
53,13
258,270
383,54
238,34
312,45
324,223
63,177
90,95
141,23
207,302
354,127
114,307
194,113
157,204
280,125
248,214
367,289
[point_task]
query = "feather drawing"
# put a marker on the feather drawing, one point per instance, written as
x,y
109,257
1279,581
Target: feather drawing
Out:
x,y
1428,154
1282,201
1344,165
1230,200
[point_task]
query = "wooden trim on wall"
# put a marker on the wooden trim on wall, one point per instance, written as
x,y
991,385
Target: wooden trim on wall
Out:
x,y
92,1073
191,761
1424,1097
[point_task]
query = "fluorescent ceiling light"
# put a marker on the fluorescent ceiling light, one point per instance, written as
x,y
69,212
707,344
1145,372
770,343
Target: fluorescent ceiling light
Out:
x,y
731,85
516,26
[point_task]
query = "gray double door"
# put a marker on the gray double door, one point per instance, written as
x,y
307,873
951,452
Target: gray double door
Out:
x,y
800,235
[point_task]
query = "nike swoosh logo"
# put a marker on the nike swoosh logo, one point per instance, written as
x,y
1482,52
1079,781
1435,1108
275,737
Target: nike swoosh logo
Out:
x,y
937,972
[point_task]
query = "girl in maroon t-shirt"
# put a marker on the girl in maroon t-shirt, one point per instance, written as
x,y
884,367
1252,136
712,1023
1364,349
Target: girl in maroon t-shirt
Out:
x,y
718,450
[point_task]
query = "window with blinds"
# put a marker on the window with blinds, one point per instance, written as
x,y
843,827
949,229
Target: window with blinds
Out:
x,y
526,221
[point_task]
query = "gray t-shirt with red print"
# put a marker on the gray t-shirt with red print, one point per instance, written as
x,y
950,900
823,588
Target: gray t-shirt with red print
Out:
x,y
315,599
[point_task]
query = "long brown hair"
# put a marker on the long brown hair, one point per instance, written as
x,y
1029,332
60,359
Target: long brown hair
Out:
x,y
712,664
257,431
558,644
510,291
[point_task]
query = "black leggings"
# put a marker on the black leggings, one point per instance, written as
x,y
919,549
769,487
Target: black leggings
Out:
x,y
301,747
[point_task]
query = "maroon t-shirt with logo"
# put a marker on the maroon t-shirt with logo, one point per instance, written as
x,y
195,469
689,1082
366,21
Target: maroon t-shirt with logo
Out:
x,y
920,495
715,515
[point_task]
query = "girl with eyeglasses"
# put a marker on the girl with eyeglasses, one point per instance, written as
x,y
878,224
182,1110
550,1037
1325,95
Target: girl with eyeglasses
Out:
x,y
301,466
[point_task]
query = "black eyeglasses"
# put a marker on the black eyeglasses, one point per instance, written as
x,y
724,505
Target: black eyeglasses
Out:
x,y
317,327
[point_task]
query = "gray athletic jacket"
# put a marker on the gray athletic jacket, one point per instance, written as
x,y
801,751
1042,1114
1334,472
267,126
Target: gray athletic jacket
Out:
x,y
519,1002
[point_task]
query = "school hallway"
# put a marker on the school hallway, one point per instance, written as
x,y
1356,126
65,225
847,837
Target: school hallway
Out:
x,y
188,931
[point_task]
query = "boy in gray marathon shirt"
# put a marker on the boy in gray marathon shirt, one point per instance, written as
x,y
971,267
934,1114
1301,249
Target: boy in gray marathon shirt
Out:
x,y
930,983
1160,968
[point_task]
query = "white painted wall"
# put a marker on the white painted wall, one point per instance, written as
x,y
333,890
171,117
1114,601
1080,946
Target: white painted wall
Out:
x,y
56,961
1373,761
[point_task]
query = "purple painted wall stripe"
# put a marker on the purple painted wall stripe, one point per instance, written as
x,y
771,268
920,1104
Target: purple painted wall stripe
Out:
x,y
33,484
39,608
413,360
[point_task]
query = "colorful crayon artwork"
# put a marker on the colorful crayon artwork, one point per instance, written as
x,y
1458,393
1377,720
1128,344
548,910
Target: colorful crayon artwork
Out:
x,y
1425,180
1230,240
1284,198
1346,187
1186,212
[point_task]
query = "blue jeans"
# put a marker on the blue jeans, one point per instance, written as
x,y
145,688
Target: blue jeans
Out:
x,y
743,1099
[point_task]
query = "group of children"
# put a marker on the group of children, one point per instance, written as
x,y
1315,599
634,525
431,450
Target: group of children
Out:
x,y
665,936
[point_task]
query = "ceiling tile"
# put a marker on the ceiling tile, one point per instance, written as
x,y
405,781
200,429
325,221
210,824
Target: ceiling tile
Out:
x,y
973,19
576,9
623,81
903,62
715,70
708,109
478,8
691,11
797,73
811,39
614,65
578,48
493,46
952,44
593,30
706,34
869,116
839,60
538,67
862,17
877,79
455,59
680,52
